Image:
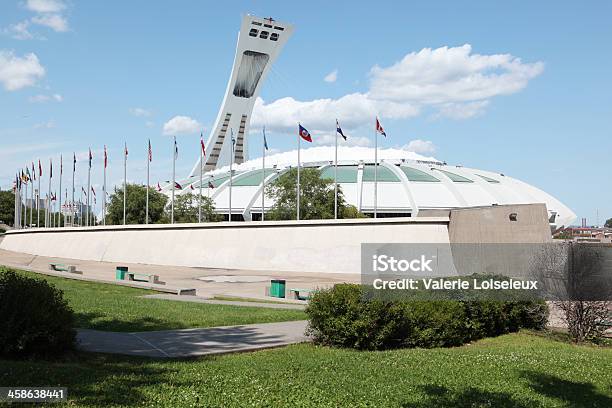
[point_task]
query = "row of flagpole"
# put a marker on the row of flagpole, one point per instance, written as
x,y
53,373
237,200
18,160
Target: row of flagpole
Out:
x,y
303,134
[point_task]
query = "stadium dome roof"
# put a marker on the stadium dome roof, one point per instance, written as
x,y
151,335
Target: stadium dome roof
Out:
x,y
408,184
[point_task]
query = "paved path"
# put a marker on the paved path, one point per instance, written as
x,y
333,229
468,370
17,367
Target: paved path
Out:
x,y
198,299
194,342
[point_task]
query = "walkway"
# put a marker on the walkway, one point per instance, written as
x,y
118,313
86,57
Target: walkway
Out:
x,y
199,299
194,342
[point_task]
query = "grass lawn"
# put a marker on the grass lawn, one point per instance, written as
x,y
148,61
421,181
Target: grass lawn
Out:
x,y
515,370
119,308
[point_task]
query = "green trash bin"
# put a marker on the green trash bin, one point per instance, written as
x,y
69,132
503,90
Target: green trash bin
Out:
x,y
120,272
277,288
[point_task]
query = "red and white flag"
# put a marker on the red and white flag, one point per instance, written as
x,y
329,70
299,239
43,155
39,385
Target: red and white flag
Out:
x,y
379,128
158,187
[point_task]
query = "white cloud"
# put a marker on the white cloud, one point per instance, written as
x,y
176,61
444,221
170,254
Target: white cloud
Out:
x,y
19,31
140,112
45,6
329,138
45,125
452,81
332,76
420,146
56,22
181,125
19,72
452,74
45,98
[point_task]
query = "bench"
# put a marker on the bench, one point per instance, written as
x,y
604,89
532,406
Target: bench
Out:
x,y
143,277
296,293
58,267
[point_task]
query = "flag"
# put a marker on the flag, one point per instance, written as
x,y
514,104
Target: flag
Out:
x,y
379,128
50,168
105,157
177,186
83,190
191,186
304,134
175,149
150,151
202,145
233,139
61,167
28,173
94,194
265,140
125,150
339,130
73,162
33,172
211,185
90,157
158,187
39,168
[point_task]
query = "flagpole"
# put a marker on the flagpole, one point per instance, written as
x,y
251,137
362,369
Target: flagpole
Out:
x,y
263,175
31,202
81,208
15,217
60,190
201,171
48,223
230,179
72,210
104,191
375,173
173,180
38,197
87,222
148,183
25,206
336,175
124,182
298,179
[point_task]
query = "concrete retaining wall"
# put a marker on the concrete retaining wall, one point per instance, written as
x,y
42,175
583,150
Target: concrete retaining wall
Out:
x,y
305,246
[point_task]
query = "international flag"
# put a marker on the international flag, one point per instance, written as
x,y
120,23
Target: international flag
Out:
x,y
94,194
158,187
264,137
53,197
28,173
90,157
150,151
339,130
33,172
233,139
177,186
379,128
105,157
211,185
125,150
304,134
50,168
83,190
202,145
73,162
39,168
61,167
175,149
191,187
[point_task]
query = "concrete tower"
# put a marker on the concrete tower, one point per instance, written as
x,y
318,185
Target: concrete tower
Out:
x,y
260,40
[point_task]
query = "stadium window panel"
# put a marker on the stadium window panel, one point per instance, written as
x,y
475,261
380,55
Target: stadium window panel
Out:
x,y
417,175
346,174
455,177
488,179
384,174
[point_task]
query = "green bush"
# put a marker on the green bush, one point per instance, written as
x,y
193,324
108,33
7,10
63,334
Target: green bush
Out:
x,y
345,316
35,320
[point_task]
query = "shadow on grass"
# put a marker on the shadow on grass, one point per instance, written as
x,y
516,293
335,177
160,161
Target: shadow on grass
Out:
x,y
439,397
575,394
100,321
92,379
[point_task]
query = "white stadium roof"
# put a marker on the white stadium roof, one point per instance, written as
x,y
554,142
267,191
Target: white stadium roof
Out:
x,y
407,183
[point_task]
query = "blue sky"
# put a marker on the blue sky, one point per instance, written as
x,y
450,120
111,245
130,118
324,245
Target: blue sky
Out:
x,y
519,87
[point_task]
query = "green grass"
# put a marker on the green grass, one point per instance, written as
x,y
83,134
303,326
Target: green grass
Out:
x,y
252,300
515,370
119,308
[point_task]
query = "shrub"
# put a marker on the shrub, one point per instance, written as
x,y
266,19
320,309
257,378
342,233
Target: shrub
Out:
x,y
35,319
344,316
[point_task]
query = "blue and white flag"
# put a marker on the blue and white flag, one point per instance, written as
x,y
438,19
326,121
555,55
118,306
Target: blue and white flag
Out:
x,y
264,138
339,130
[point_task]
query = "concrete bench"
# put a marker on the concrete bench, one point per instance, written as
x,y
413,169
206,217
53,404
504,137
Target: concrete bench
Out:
x,y
58,267
143,277
296,293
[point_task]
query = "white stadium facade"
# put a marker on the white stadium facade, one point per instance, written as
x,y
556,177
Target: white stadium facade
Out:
x,y
409,185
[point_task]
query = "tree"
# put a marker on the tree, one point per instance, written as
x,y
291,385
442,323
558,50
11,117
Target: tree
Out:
x,y
608,223
316,198
7,207
186,209
136,206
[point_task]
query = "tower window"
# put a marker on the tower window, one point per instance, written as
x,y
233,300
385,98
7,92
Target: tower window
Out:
x,y
264,35
274,37
279,28
253,32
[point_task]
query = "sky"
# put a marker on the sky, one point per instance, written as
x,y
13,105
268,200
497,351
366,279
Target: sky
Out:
x,y
521,88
